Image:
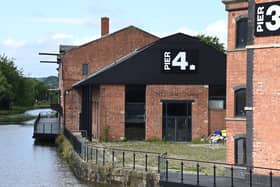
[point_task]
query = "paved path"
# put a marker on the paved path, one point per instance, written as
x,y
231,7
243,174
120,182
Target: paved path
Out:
x,y
174,179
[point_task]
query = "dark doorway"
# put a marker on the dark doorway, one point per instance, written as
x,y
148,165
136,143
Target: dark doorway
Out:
x,y
85,115
240,150
135,112
177,120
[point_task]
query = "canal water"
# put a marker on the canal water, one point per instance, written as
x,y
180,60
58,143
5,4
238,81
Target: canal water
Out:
x,y
23,163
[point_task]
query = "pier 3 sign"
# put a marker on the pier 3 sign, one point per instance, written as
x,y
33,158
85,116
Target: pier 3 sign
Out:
x,y
267,19
179,61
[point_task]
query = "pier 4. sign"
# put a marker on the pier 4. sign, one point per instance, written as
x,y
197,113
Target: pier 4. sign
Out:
x,y
267,19
179,61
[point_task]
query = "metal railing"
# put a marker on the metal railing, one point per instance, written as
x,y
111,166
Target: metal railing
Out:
x,y
36,122
125,158
206,173
75,142
176,170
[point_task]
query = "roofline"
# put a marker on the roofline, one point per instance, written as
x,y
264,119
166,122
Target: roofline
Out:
x,y
115,63
111,34
233,1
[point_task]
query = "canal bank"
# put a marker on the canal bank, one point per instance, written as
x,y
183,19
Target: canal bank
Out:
x,y
104,172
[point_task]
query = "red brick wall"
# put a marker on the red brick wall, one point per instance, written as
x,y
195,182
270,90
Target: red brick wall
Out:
x,y
72,111
156,93
236,76
216,120
234,128
266,100
112,111
98,54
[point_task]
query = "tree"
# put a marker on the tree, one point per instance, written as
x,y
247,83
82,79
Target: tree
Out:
x,y
212,41
5,92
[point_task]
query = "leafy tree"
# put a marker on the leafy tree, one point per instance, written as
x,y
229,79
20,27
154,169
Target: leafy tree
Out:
x,y
5,92
212,41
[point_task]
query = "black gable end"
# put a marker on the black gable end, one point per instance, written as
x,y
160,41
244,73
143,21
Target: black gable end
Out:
x,y
176,59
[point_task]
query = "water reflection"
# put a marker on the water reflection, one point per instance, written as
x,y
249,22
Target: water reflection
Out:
x,y
22,163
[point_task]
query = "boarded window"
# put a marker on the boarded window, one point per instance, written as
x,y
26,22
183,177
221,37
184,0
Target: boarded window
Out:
x,y
241,33
240,151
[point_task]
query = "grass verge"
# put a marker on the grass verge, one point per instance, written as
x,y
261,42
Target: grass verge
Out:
x,y
16,114
64,147
14,118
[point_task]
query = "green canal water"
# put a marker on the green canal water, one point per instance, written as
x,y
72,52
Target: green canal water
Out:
x,y
24,164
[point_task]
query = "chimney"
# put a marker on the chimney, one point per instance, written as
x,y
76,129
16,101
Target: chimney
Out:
x,y
104,26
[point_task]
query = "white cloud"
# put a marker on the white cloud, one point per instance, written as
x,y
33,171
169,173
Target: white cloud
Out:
x,y
217,28
14,43
61,20
58,36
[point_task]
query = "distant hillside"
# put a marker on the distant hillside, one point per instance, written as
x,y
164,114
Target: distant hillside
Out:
x,y
52,81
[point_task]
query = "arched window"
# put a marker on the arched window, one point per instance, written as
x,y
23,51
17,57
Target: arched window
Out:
x,y
240,150
240,102
241,32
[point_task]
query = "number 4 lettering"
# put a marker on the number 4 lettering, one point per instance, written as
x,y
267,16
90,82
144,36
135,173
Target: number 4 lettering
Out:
x,y
180,60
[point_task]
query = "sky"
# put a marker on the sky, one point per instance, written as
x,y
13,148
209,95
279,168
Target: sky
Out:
x,y
32,26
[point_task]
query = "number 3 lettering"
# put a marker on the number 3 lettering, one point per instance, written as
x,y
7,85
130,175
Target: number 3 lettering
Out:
x,y
274,25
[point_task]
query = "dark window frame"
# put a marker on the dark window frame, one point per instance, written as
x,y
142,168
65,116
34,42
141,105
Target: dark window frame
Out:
x,y
85,69
241,31
239,104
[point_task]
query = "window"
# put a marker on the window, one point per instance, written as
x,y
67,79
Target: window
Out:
x,y
241,32
240,102
240,150
85,69
216,104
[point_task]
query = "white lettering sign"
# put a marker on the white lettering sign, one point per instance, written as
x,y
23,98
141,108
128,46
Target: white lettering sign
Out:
x,y
267,19
177,61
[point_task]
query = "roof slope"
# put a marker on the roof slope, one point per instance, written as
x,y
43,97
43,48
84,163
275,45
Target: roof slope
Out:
x,y
144,66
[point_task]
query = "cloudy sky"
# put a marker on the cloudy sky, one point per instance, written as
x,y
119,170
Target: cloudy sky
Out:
x,y
32,26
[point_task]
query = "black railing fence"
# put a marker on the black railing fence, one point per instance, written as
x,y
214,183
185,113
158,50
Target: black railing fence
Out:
x,y
36,122
125,158
204,173
175,170
77,142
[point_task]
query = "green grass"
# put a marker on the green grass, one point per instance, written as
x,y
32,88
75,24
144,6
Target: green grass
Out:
x,y
185,150
195,151
15,118
15,114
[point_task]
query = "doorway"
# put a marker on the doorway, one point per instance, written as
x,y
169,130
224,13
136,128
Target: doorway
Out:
x,y
177,120
135,125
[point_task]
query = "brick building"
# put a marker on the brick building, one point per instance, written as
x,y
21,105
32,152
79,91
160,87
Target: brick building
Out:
x,y
123,85
252,115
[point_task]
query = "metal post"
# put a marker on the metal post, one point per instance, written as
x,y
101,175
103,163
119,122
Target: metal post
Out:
x,y
182,172
231,169
103,157
134,160
197,173
123,159
113,158
146,162
96,156
270,178
250,171
214,167
158,163
166,170
87,152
